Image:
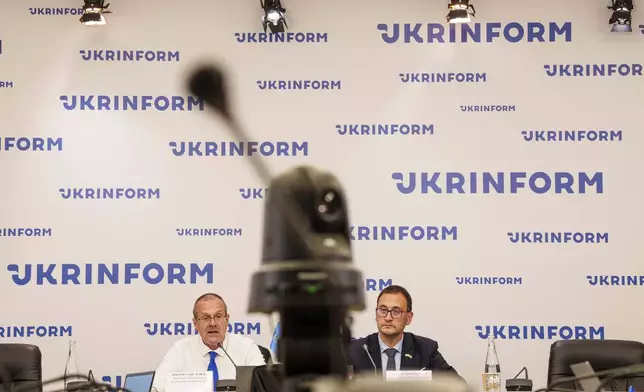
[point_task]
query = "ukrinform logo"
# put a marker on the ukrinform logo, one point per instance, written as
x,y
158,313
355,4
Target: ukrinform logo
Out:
x,y
564,237
276,38
180,329
25,231
126,55
210,232
48,11
22,144
593,69
299,84
488,108
577,135
384,129
35,331
131,103
616,280
109,193
443,77
239,149
514,32
489,182
403,233
540,332
489,280
112,274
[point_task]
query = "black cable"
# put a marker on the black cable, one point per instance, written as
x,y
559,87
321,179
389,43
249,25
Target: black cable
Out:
x,y
605,382
637,369
611,378
103,387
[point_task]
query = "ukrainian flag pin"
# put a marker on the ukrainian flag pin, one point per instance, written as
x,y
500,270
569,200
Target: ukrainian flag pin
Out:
x,y
408,355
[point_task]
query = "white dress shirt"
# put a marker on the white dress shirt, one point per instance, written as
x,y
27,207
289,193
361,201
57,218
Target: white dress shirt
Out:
x,y
192,355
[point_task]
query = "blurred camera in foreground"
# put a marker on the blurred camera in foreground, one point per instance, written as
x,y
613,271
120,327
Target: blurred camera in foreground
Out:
x,y
307,273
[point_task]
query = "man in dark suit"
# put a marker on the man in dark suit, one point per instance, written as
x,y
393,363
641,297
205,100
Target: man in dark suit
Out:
x,y
392,348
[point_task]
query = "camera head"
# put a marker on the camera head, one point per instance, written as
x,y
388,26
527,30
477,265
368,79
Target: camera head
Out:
x,y
307,272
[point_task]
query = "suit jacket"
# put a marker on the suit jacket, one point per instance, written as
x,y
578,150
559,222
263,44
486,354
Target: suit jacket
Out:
x,y
417,352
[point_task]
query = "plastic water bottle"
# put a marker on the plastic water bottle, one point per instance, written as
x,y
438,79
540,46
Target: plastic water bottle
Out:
x,y
492,374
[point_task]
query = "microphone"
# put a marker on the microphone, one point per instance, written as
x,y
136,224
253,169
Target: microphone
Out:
x,y
366,349
207,83
221,346
519,384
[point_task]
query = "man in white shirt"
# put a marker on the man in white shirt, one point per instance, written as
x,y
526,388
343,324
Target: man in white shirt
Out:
x,y
203,352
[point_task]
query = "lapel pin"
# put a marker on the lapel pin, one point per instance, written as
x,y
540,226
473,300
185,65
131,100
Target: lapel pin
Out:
x,y
408,355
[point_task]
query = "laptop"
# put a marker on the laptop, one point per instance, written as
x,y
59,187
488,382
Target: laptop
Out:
x,y
139,382
584,369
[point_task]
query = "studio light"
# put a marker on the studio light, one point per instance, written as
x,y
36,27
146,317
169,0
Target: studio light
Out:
x,y
460,11
273,18
621,18
93,11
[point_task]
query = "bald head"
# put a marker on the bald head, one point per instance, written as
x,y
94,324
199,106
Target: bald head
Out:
x,y
207,297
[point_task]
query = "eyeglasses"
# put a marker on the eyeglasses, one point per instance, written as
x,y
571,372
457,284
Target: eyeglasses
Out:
x,y
395,312
209,319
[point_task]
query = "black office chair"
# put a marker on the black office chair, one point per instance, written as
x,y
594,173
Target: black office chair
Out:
x,y
268,358
601,354
22,363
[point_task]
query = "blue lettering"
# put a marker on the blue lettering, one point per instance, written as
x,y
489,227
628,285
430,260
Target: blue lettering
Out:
x,y
133,103
299,37
513,32
540,332
487,182
100,274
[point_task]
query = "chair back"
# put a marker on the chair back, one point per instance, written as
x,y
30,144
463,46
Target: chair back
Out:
x,y
22,364
268,358
601,354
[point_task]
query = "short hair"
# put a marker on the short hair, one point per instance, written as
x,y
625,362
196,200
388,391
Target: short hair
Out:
x,y
395,289
204,297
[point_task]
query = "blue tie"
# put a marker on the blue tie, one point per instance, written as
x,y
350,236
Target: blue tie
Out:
x,y
212,367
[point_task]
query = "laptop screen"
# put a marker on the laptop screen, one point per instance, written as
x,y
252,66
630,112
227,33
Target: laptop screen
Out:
x,y
139,382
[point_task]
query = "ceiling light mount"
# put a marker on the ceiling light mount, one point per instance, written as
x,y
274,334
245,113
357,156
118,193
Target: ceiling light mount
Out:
x,y
273,18
621,17
93,11
460,11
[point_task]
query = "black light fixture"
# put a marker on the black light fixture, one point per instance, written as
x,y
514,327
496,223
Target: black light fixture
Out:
x,y
273,18
460,11
621,17
93,11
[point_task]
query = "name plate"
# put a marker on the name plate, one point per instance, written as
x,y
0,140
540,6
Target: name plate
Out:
x,y
408,375
189,382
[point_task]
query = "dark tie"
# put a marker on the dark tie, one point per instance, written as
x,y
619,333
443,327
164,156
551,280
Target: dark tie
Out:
x,y
212,367
391,362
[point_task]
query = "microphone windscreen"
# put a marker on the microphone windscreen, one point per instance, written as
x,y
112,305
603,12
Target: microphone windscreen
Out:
x,y
207,84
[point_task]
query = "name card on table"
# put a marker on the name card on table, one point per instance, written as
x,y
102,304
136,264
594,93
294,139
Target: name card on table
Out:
x,y
189,382
408,375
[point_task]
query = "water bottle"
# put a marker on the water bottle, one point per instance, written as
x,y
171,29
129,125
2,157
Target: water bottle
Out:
x,y
492,374
71,368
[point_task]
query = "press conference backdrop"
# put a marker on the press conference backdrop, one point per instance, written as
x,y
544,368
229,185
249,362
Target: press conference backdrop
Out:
x,y
494,171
